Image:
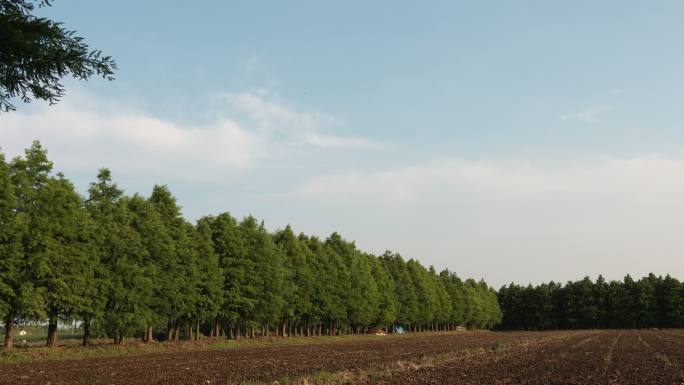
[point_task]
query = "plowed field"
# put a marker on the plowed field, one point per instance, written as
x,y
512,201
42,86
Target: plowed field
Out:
x,y
573,357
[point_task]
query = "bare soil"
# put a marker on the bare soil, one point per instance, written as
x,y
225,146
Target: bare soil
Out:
x,y
566,357
624,357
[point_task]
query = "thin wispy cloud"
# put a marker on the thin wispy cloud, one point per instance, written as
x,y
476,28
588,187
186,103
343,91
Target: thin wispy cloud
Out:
x,y
271,116
589,115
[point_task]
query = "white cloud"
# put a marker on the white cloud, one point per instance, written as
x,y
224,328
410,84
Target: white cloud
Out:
x,y
515,220
640,178
135,143
250,128
588,115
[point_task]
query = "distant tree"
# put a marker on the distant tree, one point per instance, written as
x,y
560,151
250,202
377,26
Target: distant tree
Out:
x,y
652,301
36,53
671,304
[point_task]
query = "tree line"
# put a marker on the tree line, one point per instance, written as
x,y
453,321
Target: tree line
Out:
x,y
652,301
133,266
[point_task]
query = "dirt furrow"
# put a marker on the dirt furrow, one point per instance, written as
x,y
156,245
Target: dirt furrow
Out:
x,y
635,362
539,361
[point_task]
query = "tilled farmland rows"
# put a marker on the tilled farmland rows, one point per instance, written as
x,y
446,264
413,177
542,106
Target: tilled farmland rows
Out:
x,y
264,364
605,357
622,357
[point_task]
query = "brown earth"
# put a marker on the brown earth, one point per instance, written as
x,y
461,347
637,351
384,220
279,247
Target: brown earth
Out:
x,y
573,357
603,357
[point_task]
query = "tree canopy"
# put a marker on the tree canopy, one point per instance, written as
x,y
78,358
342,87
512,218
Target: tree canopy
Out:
x,y
652,301
36,53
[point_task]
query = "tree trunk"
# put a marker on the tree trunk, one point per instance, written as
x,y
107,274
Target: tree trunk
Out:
x,y
121,339
86,332
176,332
52,332
215,329
190,331
197,330
149,334
283,334
9,332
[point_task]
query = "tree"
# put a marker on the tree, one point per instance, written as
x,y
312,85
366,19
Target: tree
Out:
x,y
210,280
67,268
36,53
177,263
331,286
404,291
671,304
125,284
387,302
31,184
13,270
231,251
265,264
425,292
361,296
298,283
148,239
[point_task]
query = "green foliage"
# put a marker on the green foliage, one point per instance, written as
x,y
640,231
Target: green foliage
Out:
x,y
649,302
209,280
121,250
25,265
36,53
11,255
299,280
404,292
65,257
266,272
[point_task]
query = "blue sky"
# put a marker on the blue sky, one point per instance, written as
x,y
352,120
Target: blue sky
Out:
x,y
523,141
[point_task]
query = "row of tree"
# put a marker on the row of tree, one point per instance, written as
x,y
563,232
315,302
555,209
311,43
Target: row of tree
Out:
x,y
649,302
133,266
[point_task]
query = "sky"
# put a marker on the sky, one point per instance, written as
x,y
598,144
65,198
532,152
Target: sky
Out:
x,y
522,141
